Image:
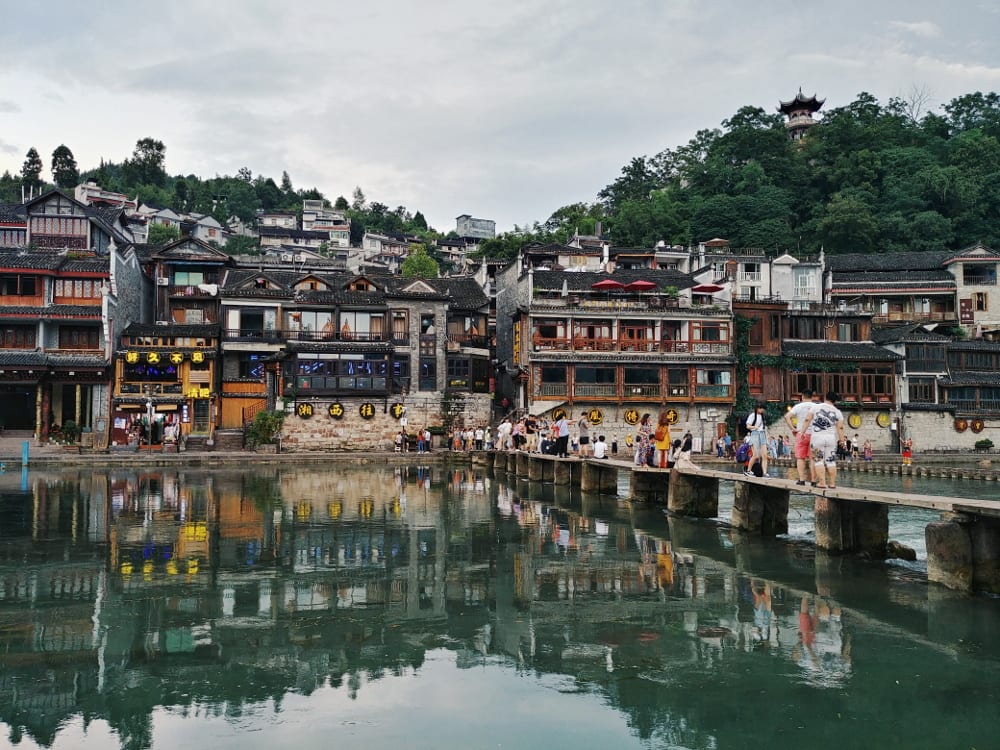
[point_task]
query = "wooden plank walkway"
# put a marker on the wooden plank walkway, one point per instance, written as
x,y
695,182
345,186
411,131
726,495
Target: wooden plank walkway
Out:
x,y
881,497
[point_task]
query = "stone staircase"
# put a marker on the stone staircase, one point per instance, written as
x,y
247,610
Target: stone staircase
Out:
x,y
229,440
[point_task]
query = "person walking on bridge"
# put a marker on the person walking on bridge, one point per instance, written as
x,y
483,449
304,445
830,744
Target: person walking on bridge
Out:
x,y
826,432
795,418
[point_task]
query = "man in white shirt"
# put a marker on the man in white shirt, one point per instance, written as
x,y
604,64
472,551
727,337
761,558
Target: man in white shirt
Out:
x,y
600,448
795,418
826,425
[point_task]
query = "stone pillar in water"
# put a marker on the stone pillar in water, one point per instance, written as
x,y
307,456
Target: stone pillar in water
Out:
x,y
760,509
949,554
693,495
851,526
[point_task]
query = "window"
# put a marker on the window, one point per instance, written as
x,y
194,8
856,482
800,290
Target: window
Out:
x,y
400,326
400,373
805,284
79,338
17,337
755,379
162,372
428,374
921,390
361,326
757,332
712,383
641,381
980,301
554,381
251,366
848,332
18,286
976,275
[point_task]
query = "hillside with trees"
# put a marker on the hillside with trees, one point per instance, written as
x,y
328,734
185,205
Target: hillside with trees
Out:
x,y
870,177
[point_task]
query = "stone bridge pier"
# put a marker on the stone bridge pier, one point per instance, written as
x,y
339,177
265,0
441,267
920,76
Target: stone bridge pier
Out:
x,y
760,509
598,477
851,526
963,552
693,495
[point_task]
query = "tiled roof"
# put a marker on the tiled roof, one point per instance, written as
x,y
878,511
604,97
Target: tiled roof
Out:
x,y
975,345
26,358
584,280
838,350
901,276
463,291
911,332
930,260
75,360
36,260
14,357
340,346
174,329
50,311
13,213
972,378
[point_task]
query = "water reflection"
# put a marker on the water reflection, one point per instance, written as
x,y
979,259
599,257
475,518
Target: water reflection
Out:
x,y
139,608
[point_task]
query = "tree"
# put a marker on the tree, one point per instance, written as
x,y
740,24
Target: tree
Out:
x,y
64,170
286,184
359,199
268,193
341,204
241,244
146,167
31,170
419,265
244,173
418,221
161,234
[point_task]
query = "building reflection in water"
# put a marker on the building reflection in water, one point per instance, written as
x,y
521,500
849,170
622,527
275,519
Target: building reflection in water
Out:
x,y
227,590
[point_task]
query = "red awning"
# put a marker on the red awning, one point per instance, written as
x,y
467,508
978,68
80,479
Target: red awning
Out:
x,y
707,289
606,284
641,285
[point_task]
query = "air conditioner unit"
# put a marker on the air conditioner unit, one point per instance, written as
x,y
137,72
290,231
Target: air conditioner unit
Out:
x,y
162,281
300,258
286,257
163,322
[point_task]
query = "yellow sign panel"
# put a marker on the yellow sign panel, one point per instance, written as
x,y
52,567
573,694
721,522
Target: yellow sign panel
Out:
x,y
176,358
397,410
195,531
204,392
367,410
559,413
595,416
854,420
631,416
131,357
197,356
192,393
336,410
883,419
304,411
153,357
517,342
672,416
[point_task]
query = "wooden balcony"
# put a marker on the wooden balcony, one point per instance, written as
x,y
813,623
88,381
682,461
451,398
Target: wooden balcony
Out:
x,y
649,346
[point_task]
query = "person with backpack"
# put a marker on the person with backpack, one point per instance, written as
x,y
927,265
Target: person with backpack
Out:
x,y
757,432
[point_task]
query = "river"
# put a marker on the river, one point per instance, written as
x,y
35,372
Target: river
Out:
x,y
433,607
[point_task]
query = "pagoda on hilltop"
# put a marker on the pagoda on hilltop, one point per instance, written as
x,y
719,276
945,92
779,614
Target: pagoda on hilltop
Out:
x,y
799,112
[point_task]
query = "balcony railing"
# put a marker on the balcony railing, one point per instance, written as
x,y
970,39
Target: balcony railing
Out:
x,y
642,390
581,344
277,336
976,405
152,389
602,390
553,389
915,317
470,339
617,305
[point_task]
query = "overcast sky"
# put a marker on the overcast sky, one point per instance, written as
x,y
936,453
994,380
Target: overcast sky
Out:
x,y
505,111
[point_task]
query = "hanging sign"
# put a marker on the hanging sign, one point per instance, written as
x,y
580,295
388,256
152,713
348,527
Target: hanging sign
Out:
x,y
595,416
198,357
397,410
631,416
336,410
176,358
367,410
304,411
153,358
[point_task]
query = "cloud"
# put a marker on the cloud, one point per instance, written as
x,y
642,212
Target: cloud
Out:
x,y
925,29
6,148
9,107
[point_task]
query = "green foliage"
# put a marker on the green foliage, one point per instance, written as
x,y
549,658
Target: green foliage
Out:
x,y
265,428
869,177
161,234
419,265
984,445
146,167
64,169
31,170
241,245
70,432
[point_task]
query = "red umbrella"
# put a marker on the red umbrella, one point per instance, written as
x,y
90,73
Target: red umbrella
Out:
x,y
607,285
707,288
639,286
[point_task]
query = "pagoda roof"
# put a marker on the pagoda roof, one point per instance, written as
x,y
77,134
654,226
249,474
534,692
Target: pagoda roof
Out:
x,y
801,101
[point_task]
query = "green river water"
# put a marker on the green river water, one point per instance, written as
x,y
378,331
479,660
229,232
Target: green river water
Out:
x,y
431,607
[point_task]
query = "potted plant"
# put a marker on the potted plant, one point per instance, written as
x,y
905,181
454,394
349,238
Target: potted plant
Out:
x,y
984,445
70,435
264,433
